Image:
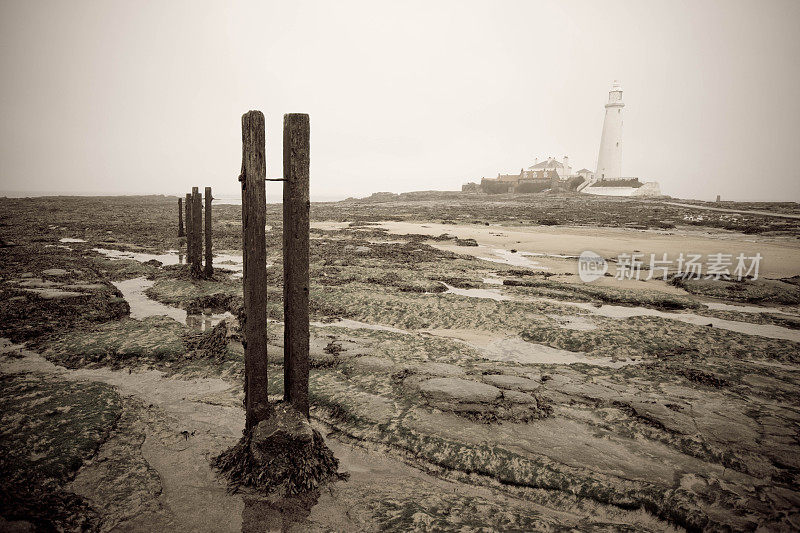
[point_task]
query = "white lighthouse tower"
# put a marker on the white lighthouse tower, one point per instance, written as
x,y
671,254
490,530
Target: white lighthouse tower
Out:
x,y
609,161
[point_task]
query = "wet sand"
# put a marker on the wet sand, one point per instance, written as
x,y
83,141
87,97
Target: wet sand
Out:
x,y
781,256
461,386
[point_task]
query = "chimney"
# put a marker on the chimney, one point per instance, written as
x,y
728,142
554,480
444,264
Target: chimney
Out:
x,y
566,160
535,160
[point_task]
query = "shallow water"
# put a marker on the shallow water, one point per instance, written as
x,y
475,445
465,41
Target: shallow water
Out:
x,y
520,259
70,239
228,261
621,312
172,257
142,306
557,256
719,306
490,294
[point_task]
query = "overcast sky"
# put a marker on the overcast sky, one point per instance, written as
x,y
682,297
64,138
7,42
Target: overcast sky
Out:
x,y
146,97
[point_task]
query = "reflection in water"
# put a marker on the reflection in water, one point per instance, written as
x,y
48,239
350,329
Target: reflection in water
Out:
x,y
227,261
172,257
142,306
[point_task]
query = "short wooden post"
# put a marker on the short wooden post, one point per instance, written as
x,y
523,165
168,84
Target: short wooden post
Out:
x,y
197,233
209,267
254,249
188,213
295,259
180,217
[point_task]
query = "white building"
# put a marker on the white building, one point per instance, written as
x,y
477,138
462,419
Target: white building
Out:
x,y
608,180
552,164
609,160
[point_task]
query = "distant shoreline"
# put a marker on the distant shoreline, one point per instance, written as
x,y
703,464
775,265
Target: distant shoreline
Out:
x,y
272,198
228,199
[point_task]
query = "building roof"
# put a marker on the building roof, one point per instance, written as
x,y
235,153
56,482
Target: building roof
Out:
x,y
547,164
583,170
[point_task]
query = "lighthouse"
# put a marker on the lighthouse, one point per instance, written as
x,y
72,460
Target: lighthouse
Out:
x,y
609,161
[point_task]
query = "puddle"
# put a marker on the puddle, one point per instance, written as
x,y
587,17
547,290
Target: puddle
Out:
x,y
172,257
227,261
143,306
718,306
493,281
63,247
355,324
232,262
557,256
520,259
490,294
621,312
70,239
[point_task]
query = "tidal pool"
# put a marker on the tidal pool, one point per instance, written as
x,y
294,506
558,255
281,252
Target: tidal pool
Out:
x,y
520,259
228,261
143,306
171,257
620,312
489,294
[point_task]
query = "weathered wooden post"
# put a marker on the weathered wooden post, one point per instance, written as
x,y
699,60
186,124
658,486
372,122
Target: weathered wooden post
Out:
x,y
296,204
188,217
197,233
209,267
180,217
254,250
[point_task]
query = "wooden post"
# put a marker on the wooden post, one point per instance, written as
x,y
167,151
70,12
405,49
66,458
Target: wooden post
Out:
x,y
188,213
209,267
180,217
197,233
295,259
254,249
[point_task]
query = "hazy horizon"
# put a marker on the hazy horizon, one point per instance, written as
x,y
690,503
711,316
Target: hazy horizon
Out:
x,y
146,98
